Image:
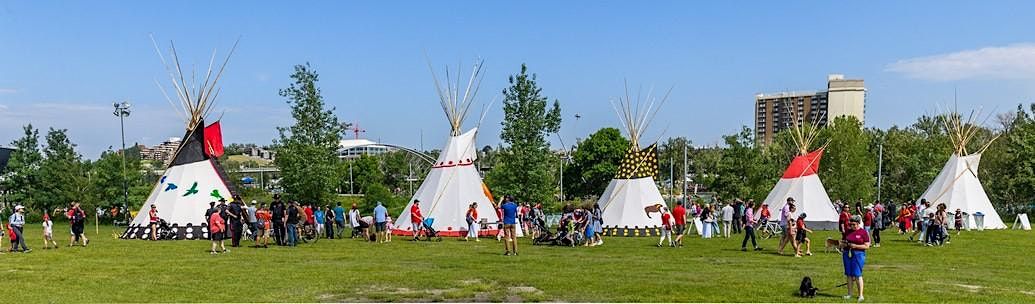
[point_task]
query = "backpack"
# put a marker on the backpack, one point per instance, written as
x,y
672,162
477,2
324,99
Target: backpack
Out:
x,y
807,290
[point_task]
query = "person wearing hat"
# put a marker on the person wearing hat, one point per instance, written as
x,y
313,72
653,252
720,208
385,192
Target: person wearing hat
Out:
x,y
853,255
786,214
17,221
278,215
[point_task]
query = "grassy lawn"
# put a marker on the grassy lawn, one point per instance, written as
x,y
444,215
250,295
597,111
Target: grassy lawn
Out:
x,y
990,266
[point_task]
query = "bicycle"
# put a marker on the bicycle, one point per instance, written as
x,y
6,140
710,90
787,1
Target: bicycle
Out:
x,y
767,230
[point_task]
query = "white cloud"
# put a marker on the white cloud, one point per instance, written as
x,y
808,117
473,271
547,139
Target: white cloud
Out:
x,y
1001,62
8,91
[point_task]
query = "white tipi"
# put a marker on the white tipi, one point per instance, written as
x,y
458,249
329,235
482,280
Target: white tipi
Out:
x,y
957,185
801,182
632,196
453,183
194,178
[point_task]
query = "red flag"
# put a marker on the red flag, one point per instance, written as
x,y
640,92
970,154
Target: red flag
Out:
x,y
213,140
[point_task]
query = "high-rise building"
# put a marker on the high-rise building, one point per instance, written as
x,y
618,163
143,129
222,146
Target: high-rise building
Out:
x,y
775,112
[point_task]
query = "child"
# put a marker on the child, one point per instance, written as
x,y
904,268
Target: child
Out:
x,y
389,225
802,236
958,216
216,227
48,232
666,228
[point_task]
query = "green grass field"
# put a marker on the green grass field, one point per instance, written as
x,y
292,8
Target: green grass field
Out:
x,y
990,266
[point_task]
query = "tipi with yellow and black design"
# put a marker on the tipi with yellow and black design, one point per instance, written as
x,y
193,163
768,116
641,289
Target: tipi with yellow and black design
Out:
x,y
629,202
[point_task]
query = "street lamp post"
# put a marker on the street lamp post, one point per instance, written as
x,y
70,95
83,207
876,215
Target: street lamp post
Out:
x,y
122,111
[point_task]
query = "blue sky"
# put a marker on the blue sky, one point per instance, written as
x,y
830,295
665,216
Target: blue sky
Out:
x,y
62,64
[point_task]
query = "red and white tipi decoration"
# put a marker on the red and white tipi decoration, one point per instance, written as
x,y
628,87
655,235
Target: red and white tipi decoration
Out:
x,y
801,182
453,183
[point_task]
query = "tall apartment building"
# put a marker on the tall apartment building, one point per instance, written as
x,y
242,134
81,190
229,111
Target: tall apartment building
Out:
x,y
775,112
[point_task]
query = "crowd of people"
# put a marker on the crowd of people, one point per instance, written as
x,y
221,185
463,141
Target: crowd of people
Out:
x,y
15,228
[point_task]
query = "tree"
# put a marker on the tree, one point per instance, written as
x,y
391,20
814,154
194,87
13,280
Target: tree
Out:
x,y
848,163
1008,166
524,169
307,151
670,158
61,172
594,163
21,178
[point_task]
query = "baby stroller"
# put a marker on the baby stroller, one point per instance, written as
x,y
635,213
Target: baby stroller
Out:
x,y
165,231
545,236
429,232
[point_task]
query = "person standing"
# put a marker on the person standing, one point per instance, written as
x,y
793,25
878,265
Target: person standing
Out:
x,y
785,218
878,223
329,219
416,218
262,231
843,219
380,221
749,227
666,228
472,222
707,219
252,221
48,231
319,218
938,221
727,220
738,215
278,215
236,214
291,222
679,215
339,219
510,226
853,256
77,221
17,222
217,229
153,217
354,218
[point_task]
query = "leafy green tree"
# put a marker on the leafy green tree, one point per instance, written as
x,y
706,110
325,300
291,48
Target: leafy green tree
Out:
x,y
670,162
61,172
737,173
524,170
594,163
1008,166
21,178
366,172
848,164
307,151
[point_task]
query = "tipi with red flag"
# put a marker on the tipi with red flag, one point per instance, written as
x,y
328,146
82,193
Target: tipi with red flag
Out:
x,y
193,178
801,182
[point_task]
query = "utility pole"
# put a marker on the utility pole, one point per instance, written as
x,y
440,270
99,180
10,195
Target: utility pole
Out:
x,y
686,172
122,111
672,177
352,190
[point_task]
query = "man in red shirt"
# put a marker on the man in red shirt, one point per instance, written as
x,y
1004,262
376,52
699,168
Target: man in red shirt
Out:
x,y
309,219
842,221
680,230
416,218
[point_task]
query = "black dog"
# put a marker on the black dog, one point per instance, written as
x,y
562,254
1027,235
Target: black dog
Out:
x,y
807,290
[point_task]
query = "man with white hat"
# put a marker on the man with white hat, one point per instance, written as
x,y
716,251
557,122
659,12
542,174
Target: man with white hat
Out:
x,y
17,222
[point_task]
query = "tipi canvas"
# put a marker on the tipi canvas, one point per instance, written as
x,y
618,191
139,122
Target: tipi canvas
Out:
x,y
630,201
801,182
194,177
957,185
453,183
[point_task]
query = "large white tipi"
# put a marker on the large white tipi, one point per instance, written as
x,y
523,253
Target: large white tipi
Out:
x,y
194,178
453,183
632,196
957,185
801,182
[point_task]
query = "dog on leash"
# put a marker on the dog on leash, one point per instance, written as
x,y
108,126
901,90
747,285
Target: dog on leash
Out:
x,y
807,290
832,244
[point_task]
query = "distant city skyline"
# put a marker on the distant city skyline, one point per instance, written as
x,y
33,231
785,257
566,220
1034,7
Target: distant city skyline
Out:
x,y
64,64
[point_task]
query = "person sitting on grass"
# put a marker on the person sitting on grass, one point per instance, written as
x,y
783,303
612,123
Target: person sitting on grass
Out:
x,y
802,236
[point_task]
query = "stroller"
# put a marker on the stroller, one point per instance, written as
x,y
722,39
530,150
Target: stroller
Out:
x,y
429,232
165,231
545,236
568,234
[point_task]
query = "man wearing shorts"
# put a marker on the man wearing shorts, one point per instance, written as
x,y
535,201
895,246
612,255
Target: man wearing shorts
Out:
x,y
679,213
510,226
380,221
785,218
416,218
